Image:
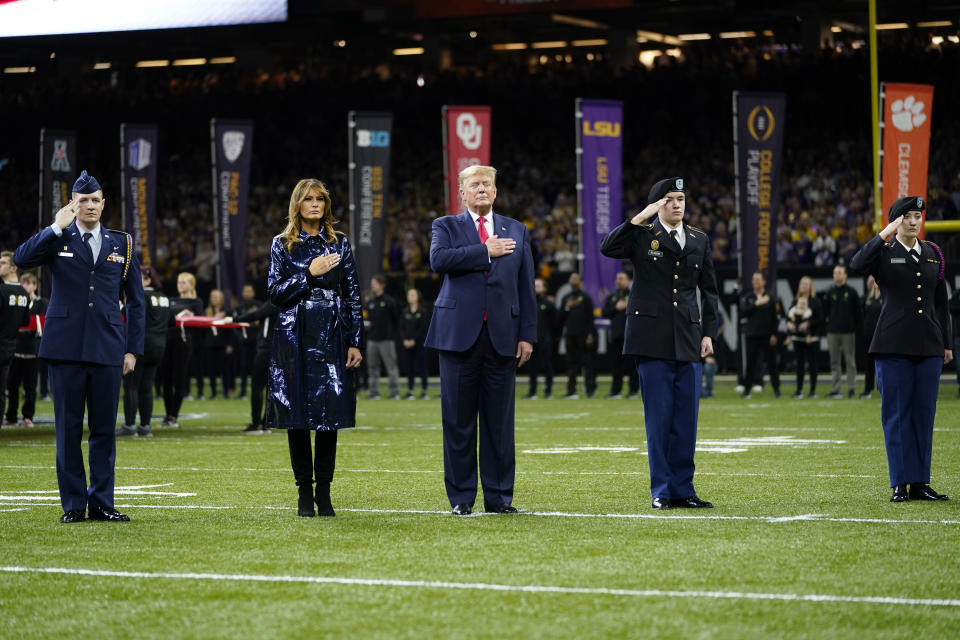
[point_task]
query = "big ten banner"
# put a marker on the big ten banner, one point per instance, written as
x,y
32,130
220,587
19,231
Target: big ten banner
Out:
x,y
138,181
232,149
369,170
58,171
758,120
466,142
905,131
599,183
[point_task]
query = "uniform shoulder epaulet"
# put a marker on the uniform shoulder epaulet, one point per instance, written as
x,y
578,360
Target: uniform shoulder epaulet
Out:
x,y
647,226
696,229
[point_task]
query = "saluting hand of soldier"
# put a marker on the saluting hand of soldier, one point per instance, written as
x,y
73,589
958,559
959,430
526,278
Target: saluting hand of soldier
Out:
x,y
648,212
66,215
891,228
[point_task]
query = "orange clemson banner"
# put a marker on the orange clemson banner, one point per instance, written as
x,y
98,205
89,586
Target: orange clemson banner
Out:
x,y
907,112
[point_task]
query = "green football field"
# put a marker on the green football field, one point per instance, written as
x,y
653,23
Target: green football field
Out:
x,y
803,541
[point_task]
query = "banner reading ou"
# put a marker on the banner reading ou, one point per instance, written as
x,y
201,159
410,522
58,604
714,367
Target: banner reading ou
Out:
x,y
466,142
138,179
369,167
58,171
907,110
758,156
232,150
600,149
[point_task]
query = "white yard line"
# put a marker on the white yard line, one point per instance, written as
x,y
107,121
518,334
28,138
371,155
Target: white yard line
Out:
x,y
503,588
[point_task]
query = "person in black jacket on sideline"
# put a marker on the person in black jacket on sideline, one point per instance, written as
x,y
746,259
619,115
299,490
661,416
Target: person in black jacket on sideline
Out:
x,y
615,308
542,360
872,304
576,316
266,317
763,315
414,322
138,384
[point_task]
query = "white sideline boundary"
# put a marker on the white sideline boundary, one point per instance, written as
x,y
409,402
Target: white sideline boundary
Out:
x,y
482,586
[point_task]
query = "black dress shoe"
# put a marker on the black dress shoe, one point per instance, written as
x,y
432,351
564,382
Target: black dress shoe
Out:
x,y
661,503
691,502
924,492
899,493
72,516
499,508
462,510
106,514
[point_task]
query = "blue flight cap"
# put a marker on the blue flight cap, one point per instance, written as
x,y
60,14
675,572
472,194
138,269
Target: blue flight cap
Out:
x,y
86,183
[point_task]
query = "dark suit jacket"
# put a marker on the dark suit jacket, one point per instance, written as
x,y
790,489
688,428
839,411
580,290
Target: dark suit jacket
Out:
x,y
84,322
663,318
914,320
473,283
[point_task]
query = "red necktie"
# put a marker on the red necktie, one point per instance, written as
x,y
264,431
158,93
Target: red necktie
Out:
x,y
482,230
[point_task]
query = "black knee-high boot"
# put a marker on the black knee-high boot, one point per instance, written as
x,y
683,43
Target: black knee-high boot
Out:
x,y
300,459
324,463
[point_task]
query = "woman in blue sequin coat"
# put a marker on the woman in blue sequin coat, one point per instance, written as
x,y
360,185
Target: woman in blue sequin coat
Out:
x,y
316,339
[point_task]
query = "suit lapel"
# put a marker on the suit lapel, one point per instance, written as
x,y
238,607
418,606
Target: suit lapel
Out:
x,y
75,240
691,244
469,229
666,240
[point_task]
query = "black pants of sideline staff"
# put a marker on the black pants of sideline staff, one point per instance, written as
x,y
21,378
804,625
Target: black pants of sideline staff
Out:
x,y
478,382
758,346
23,373
138,390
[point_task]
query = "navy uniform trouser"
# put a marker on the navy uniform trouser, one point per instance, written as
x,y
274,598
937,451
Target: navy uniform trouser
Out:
x,y
671,402
908,405
478,383
79,386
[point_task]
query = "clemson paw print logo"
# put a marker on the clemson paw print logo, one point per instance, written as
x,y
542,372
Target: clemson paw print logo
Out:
x,y
907,114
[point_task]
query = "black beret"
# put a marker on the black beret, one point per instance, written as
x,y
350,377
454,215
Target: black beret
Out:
x,y
664,187
903,205
86,184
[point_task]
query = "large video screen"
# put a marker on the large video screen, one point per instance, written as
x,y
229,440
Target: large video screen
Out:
x,y
52,17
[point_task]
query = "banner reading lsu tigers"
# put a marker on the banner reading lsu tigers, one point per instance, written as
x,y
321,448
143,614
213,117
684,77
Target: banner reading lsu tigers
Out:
x,y
907,112
232,150
599,184
58,172
138,185
758,156
369,170
466,142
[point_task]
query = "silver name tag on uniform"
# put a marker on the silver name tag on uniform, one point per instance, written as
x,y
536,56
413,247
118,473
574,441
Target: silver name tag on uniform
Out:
x,y
65,254
651,252
898,260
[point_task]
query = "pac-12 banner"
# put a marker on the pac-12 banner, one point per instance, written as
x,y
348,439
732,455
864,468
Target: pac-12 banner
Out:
x,y
758,157
600,175
138,182
907,111
369,169
466,142
232,149
58,171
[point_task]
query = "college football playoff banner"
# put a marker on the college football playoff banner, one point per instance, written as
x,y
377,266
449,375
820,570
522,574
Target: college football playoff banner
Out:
x,y
138,182
58,171
907,111
600,150
758,120
369,171
232,142
466,142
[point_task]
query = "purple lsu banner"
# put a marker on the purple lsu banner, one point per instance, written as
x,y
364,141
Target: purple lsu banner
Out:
x,y
138,182
232,150
599,183
758,155
368,152
58,171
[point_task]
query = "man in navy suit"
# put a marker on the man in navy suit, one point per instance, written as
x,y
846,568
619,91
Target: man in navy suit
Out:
x,y
484,325
86,343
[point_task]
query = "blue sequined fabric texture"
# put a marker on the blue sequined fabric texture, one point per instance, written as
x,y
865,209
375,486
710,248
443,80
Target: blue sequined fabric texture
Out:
x,y
309,386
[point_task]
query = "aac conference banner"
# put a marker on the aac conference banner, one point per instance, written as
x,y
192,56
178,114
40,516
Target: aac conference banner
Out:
x,y
58,171
232,142
466,142
369,167
907,112
139,187
600,148
758,155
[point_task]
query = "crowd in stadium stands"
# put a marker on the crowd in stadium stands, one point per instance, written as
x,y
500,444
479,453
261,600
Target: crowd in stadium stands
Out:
x,y
677,122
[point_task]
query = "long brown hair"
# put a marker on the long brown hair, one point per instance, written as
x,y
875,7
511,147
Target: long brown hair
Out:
x,y
291,235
